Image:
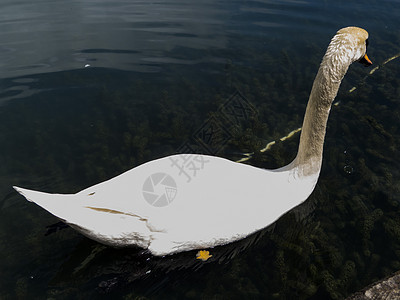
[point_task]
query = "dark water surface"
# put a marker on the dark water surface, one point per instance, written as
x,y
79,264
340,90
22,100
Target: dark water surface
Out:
x,y
89,89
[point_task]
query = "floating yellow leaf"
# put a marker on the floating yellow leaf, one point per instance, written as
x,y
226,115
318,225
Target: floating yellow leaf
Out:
x,y
203,255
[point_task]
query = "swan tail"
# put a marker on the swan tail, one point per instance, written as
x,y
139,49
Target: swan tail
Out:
x,y
28,194
56,204
107,226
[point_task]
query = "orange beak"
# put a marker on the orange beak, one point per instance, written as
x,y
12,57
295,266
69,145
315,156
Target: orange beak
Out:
x,y
365,60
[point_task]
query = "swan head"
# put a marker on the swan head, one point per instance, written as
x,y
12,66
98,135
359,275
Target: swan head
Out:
x,y
349,45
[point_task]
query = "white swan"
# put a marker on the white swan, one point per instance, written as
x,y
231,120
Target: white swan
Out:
x,y
185,202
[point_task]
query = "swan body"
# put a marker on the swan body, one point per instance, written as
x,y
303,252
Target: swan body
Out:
x,y
191,201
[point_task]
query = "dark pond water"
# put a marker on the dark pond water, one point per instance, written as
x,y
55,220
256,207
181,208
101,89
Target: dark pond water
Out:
x,y
89,89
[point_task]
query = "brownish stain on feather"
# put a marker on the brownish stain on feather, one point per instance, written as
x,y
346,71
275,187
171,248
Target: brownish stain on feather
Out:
x,y
112,211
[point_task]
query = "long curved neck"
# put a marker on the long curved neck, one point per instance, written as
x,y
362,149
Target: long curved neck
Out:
x,y
325,88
